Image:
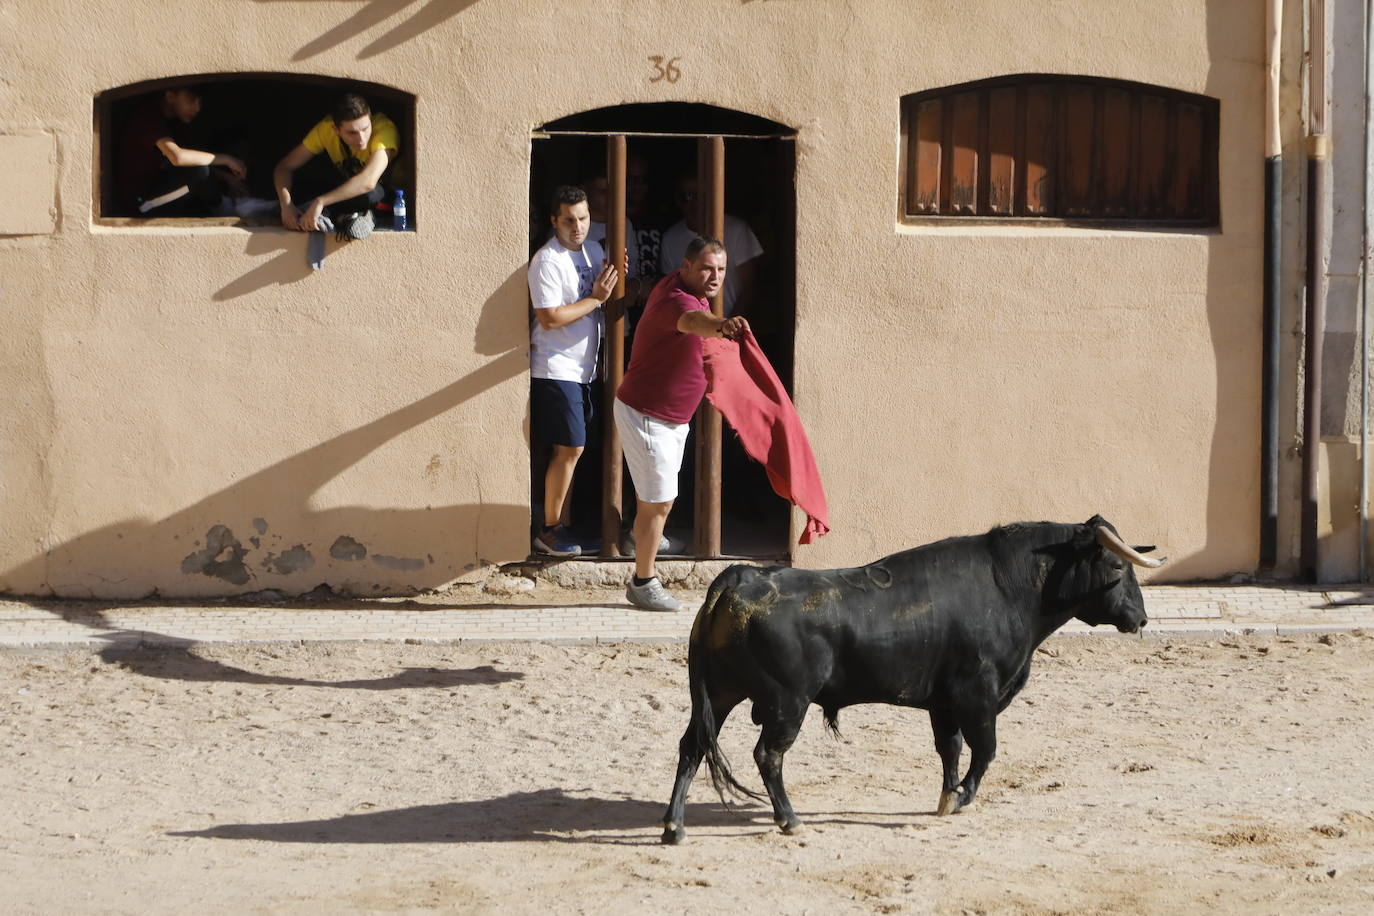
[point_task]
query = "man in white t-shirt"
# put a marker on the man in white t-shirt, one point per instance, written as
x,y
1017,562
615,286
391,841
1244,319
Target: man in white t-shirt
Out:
x,y
739,240
570,281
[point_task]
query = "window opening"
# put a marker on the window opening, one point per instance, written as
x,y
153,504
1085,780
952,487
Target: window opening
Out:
x,y
257,118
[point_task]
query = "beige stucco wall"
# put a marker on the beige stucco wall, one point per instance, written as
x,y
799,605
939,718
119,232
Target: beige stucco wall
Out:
x,y
167,381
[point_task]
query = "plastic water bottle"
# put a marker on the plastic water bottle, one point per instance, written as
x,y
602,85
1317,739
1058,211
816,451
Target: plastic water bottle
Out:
x,y
398,212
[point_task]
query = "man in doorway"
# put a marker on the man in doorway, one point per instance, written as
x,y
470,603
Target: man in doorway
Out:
x,y
662,389
361,145
569,281
598,197
740,241
161,172
648,218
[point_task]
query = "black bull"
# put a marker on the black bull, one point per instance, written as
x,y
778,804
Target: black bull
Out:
x,y
949,627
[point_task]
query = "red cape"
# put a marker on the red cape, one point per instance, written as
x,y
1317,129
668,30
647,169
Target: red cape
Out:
x,y
744,388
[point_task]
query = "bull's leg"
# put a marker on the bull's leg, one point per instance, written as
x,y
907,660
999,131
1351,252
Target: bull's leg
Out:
x,y
778,735
949,744
981,733
690,750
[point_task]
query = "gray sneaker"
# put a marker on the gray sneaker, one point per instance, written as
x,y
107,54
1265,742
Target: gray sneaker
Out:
x,y
356,226
627,543
651,596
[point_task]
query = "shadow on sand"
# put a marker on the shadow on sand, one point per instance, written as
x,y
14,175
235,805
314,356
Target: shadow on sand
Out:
x,y
541,816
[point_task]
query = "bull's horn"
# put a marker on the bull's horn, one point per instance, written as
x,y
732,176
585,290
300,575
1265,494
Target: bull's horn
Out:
x,y
1109,539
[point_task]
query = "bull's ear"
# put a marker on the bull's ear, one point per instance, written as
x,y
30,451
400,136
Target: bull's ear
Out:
x,y
1084,538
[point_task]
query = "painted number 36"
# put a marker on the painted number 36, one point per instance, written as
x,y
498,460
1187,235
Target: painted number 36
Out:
x,y
665,70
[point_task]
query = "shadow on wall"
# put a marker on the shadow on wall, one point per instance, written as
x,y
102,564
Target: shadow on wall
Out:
x,y
412,22
227,536
289,266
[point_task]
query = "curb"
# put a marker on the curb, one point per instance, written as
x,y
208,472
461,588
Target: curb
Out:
x,y
132,640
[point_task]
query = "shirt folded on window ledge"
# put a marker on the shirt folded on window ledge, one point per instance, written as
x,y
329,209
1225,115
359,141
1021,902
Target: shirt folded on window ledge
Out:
x,y
742,385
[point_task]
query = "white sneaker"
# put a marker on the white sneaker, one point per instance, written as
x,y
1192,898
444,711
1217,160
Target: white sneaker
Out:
x,y
651,596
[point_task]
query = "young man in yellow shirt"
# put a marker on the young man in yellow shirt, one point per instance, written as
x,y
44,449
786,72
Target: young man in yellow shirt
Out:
x,y
360,145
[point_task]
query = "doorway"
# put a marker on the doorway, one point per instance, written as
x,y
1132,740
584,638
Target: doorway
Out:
x,y
730,511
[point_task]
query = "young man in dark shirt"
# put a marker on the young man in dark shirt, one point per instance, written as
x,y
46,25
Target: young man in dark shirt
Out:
x,y
160,173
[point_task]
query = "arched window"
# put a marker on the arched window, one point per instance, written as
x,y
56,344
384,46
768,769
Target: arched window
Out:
x,y
256,117
1060,148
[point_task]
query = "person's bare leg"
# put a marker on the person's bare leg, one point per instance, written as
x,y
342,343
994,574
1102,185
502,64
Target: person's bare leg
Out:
x,y
649,521
558,483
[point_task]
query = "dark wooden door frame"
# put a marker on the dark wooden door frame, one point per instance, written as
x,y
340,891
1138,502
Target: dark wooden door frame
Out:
x,y
711,200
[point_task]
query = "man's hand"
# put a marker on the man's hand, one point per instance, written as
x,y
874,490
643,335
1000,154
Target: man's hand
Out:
x,y
734,327
233,164
291,217
604,285
310,219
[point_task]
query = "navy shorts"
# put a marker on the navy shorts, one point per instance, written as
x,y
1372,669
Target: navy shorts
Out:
x,y
561,413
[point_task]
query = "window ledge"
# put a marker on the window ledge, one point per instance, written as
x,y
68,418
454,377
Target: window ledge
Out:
x,y
1052,228
208,225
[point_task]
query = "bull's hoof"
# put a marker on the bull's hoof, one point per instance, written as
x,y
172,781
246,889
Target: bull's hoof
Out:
x,y
673,835
949,803
792,828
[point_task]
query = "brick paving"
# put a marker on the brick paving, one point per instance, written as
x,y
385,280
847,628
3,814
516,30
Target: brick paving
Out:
x,y
477,617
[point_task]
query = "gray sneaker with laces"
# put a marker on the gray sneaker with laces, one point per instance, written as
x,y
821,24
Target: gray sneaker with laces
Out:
x,y
627,543
355,226
651,596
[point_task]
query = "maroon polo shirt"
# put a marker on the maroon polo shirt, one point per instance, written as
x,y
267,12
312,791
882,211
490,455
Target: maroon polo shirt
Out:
x,y
665,378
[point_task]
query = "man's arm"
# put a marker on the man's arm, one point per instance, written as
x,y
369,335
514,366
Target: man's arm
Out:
x,y
281,180
361,183
705,324
181,157
560,315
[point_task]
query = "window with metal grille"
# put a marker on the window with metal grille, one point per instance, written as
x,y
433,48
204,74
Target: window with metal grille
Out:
x,y
1059,148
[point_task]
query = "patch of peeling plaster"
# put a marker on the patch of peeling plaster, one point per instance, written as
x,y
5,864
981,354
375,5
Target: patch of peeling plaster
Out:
x,y
222,558
294,560
403,564
346,548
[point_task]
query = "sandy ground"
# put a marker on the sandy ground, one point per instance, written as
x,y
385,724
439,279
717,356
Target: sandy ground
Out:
x,y
1155,775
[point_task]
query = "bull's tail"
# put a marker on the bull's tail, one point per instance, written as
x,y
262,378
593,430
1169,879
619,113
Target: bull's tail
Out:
x,y
832,721
704,722
703,714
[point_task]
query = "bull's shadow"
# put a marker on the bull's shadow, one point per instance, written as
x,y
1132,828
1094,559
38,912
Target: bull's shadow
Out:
x,y
176,661
543,815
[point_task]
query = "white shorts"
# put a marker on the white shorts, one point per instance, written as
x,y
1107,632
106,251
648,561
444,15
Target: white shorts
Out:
x,y
653,452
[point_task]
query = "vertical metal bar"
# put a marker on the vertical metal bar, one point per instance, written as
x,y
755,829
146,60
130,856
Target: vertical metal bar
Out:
x,y
711,185
611,481
983,195
1273,278
1318,221
1270,375
1364,309
1317,218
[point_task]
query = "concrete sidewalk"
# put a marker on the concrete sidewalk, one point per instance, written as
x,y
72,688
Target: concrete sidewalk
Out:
x,y
478,617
